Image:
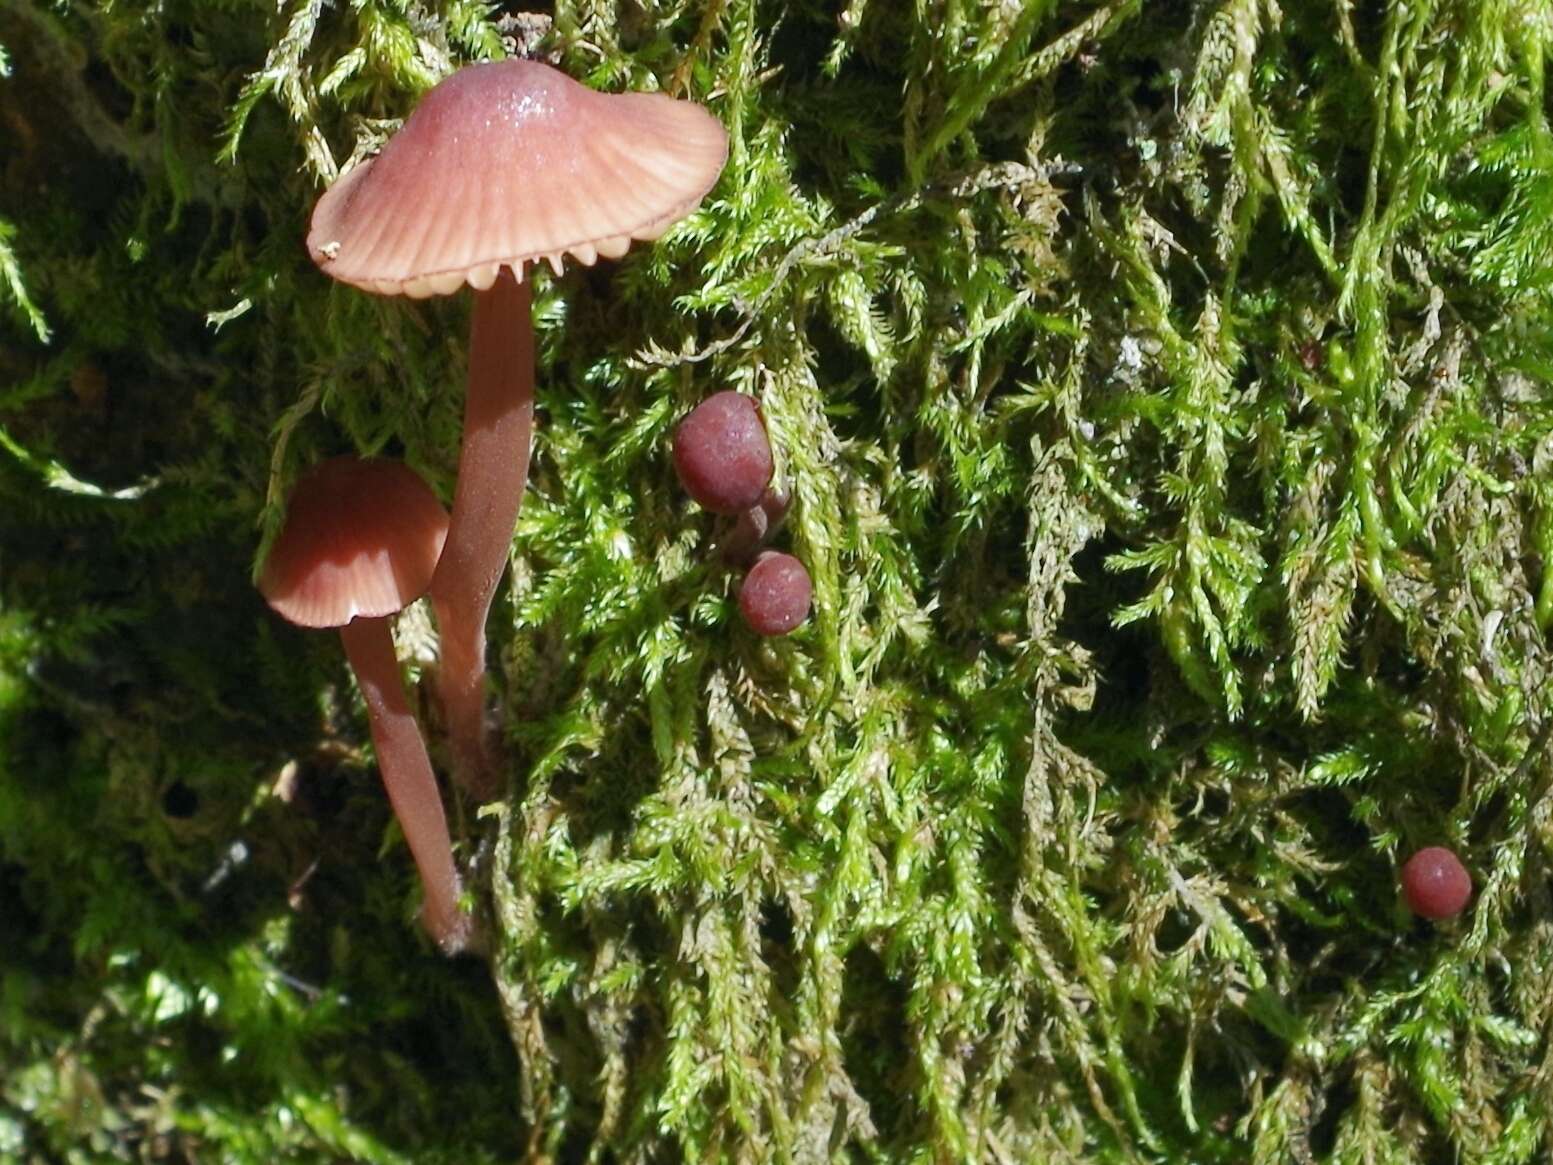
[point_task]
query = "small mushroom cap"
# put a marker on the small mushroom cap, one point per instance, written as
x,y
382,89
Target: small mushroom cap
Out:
x,y
775,595
506,163
722,454
361,538
1435,883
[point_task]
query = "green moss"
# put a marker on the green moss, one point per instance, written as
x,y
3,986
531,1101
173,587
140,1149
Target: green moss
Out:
x,y
1162,392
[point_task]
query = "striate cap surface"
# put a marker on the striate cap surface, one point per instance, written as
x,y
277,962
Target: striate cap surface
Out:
x,y
361,538
507,163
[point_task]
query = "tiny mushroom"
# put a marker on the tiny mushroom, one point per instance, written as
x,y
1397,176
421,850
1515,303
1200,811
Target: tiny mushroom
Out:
x,y
722,457
722,454
775,596
501,165
1435,883
359,544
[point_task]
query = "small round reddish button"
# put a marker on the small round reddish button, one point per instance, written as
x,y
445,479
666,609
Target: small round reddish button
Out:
x,y
776,594
1435,882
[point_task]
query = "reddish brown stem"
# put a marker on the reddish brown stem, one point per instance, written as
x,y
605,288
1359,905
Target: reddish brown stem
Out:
x,y
755,527
407,775
492,474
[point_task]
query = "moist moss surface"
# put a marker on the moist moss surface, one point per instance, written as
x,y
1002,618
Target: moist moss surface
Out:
x,y
1162,389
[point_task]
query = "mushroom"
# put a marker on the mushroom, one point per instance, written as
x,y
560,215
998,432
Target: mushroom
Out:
x,y
722,454
360,542
1435,883
503,164
775,595
722,457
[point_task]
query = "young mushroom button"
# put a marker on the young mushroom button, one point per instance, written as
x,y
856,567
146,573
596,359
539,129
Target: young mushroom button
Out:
x,y
501,165
1435,883
775,595
359,544
722,454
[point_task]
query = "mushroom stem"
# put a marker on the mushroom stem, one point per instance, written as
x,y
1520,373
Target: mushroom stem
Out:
x,y
492,473
407,775
755,527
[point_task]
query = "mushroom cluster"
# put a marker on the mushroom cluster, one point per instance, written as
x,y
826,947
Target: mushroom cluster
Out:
x,y
722,456
503,165
500,166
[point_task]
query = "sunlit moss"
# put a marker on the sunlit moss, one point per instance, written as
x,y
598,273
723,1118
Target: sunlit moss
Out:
x,y
1161,389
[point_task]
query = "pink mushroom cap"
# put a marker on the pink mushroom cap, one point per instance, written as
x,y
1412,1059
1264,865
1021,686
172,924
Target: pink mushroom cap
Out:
x,y
506,163
361,538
